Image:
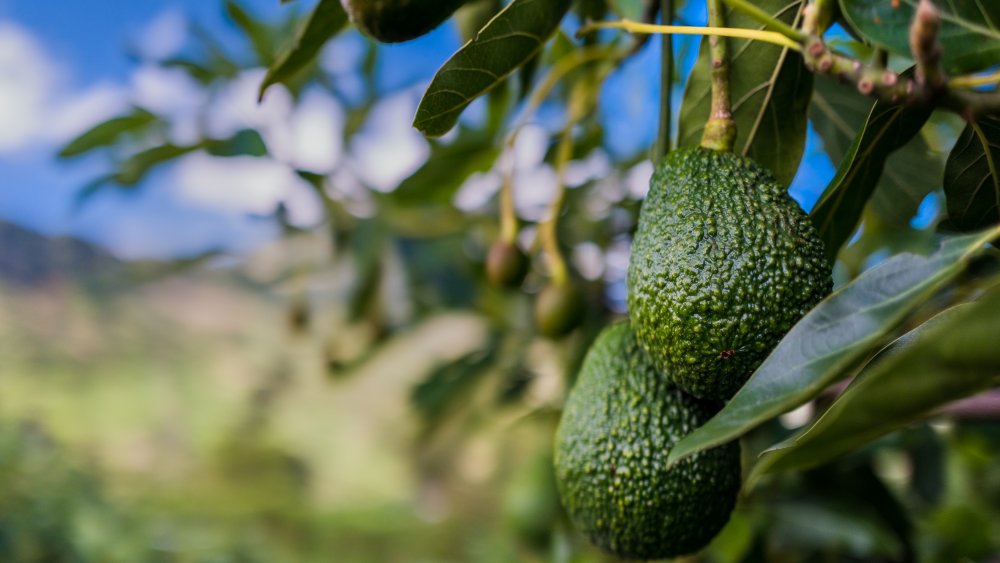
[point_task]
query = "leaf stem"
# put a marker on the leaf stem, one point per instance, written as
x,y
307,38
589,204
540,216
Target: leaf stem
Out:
x,y
720,130
817,17
974,81
766,19
663,143
771,37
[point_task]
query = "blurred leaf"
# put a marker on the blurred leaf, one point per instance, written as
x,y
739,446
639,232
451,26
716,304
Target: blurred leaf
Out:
x,y
448,383
834,338
970,29
954,355
629,9
246,142
106,133
447,168
839,209
838,113
367,246
853,530
770,89
325,21
254,30
135,168
972,176
509,40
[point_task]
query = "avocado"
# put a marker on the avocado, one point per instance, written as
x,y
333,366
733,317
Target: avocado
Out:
x,y
723,263
394,21
506,264
620,421
558,309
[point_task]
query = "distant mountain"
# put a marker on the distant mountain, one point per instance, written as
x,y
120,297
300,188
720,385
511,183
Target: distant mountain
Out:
x,y
29,259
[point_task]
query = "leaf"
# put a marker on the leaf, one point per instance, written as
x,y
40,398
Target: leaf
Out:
x,y
450,382
954,355
106,133
246,142
834,338
770,90
254,30
509,40
838,113
972,176
325,22
447,168
970,29
135,168
838,211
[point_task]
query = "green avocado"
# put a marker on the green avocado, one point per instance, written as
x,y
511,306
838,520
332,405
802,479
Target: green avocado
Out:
x,y
394,21
723,263
620,421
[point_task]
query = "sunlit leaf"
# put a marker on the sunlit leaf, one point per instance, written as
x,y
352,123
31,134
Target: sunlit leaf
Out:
x,y
952,356
255,31
972,176
838,211
106,133
770,89
327,19
970,29
835,338
508,41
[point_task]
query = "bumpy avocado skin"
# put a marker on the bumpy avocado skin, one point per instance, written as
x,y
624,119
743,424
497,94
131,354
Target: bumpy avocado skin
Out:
x,y
394,21
723,263
620,421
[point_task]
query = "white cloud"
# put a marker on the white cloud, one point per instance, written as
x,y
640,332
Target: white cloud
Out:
x,y
80,112
28,78
389,149
244,184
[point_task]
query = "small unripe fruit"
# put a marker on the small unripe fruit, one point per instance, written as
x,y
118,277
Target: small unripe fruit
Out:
x,y
506,265
558,309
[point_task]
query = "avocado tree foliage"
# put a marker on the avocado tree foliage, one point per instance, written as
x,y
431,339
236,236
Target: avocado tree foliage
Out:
x,y
905,97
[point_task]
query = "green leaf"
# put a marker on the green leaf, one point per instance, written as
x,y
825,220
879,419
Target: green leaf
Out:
x,y
972,176
448,166
509,40
834,338
954,355
106,133
325,21
255,31
135,168
770,90
246,142
838,113
838,211
970,29
449,383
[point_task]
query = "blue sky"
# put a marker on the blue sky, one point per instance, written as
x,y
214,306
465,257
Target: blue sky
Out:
x,y
67,63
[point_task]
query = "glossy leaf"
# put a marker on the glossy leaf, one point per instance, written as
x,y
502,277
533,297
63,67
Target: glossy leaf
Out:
x,y
838,112
327,19
770,90
838,211
508,41
447,169
835,338
972,176
970,29
106,133
952,356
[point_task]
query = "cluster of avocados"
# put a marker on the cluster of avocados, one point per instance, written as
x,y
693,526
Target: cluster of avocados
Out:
x,y
723,263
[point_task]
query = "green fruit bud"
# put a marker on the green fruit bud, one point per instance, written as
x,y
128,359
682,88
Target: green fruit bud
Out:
x,y
506,265
558,309
394,21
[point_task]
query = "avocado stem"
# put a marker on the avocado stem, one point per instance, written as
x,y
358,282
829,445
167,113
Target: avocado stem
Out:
x,y
508,214
663,138
720,130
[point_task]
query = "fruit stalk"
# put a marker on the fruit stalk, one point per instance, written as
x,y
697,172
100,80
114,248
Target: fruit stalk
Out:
x,y
663,143
720,131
